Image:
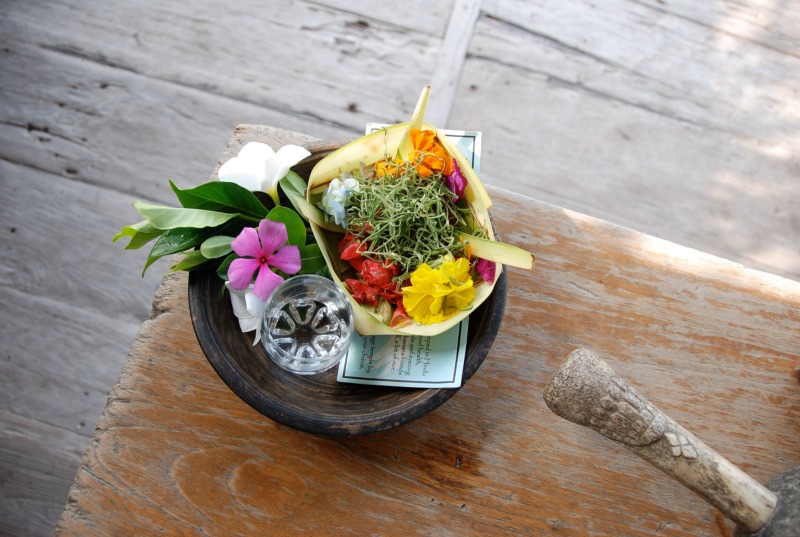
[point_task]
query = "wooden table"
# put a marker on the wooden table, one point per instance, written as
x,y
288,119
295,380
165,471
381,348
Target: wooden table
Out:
x,y
713,344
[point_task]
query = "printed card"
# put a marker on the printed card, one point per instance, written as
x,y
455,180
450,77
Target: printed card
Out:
x,y
409,361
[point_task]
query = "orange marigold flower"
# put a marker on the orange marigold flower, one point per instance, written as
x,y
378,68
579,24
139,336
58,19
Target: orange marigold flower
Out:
x,y
430,156
389,167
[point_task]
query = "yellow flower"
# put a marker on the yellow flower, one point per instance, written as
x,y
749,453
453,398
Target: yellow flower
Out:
x,y
437,294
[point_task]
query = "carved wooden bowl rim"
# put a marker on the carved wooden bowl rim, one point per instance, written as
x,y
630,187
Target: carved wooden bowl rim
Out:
x,y
319,404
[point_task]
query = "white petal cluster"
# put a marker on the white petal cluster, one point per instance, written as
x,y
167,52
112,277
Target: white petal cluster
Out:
x,y
248,308
334,200
258,167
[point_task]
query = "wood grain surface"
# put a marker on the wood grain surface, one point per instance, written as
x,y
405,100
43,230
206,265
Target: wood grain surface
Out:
x,y
711,343
676,118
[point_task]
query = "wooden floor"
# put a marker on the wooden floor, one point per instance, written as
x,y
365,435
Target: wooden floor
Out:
x,y
674,117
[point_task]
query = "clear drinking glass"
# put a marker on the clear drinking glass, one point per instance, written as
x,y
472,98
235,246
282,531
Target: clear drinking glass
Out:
x,y
308,324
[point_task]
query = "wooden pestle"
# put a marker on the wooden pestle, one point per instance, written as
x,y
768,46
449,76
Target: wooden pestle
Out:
x,y
586,391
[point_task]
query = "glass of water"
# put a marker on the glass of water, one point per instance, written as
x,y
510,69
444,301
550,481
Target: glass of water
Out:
x,y
308,324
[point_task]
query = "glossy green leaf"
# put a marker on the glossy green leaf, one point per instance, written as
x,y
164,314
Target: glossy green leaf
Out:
x,y
312,259
192,261
293,184
170,218
295,227
294,187
221,196
178,240
140,234
217,246
222,270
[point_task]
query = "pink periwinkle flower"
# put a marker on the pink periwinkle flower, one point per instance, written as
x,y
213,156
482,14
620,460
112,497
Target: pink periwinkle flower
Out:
x,y
486,269
259,251
456,182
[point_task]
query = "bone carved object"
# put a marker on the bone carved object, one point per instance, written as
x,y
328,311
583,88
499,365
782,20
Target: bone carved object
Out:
x,y
586,391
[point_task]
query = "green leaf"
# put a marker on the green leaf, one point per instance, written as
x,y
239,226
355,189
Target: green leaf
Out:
x,y
293,185
295,227
194,260
312,259
140,234
222,270
221,196
178,240
170,218
293,182
216,246
150,260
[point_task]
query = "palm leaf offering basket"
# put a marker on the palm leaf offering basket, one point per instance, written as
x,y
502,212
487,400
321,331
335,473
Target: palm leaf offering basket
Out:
x,y
394,146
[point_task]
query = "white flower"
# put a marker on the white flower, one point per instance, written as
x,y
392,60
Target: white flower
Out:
x,y
334,200
258,167
248,308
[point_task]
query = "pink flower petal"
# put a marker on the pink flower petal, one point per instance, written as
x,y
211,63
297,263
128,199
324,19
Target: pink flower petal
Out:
x,y
456,181
486,269
287,259
266,282
273,235
247,243
241,271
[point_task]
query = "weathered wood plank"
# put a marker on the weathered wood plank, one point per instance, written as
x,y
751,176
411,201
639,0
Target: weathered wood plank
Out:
x,y
91,314
58,114
314,63
29,450
444,81
771,24
72,302
667,174
59,361
416,15
57,244
647,57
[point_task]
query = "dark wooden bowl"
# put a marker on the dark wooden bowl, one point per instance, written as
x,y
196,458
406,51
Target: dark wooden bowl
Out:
x,y
320,404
